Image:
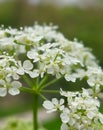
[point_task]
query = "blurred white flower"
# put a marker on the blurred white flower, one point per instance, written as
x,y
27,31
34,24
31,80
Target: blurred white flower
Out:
x,y
64,127
53,105
25,68
12,72
13,90
2,88
46,51
80,110
33,55
95,76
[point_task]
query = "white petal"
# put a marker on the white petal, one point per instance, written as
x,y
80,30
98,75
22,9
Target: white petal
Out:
x,y
48,105
51,110
90,115
15,76
2,82
34,73
101,118
16,84
13,91
32,54
61,101
70,77
37,39
64,127
64,117
27,65
61,108
8,79
90,82
50,70
20,71
63,93
72,121
3,92
54,101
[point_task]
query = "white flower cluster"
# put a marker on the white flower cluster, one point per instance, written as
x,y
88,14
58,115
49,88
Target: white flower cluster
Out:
x,y
8,76
79,111
47,51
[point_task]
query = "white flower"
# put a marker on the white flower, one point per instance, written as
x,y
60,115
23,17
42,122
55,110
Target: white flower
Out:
x,y
53,105
71,77
42,69
95,76
81,111
85,93
49,106
47,52
100,117
2,33
34,73
91,114
53,69
12,72
27,65
26,68
68,60
14,89
64,127
3,92
33,55
7,44
68,94
65,115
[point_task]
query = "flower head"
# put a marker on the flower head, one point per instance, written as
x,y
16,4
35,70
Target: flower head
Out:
x,y
41,50
79,111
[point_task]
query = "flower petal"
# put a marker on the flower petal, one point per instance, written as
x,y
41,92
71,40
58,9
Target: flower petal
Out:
x,y
3,92
13,91
27,65
48,105
16,84
64,127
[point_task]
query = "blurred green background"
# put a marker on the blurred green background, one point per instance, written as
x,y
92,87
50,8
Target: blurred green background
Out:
x,y
83,21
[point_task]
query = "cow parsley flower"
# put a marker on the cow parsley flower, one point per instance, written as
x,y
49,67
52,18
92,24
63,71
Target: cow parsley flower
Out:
x,y
9,76
13,89
54,105
46,52
25,68
79,111
95,76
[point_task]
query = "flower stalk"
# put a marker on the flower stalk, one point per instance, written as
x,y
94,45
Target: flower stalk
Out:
x,y
35,112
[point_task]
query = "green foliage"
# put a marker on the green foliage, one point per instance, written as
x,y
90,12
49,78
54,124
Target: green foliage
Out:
x,y
53,125
7,13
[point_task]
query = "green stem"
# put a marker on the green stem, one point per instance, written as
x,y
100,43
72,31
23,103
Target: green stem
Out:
x,y
37,81
35,112
28,81
50,91
27,90
43,81
50,83
42,96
